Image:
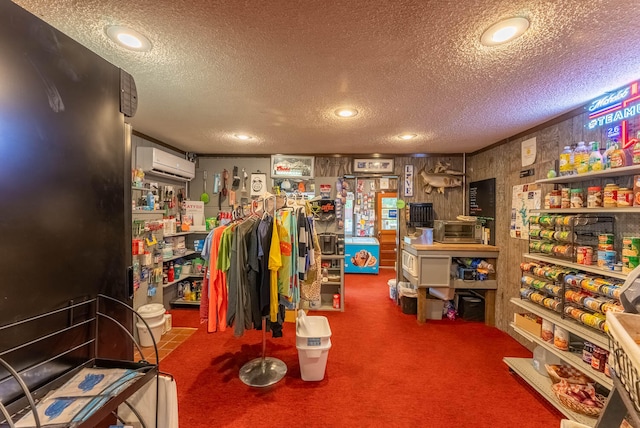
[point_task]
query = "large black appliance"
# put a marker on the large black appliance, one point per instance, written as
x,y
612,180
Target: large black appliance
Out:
x,y
65,189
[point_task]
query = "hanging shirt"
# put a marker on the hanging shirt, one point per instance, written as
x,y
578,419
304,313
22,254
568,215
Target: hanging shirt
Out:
x,y
217,318
284,273
275,263
224,250
265,229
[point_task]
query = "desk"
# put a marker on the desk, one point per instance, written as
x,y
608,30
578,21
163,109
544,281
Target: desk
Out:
x,y
429,267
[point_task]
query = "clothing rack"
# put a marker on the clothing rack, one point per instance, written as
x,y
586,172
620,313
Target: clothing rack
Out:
x,y
263,371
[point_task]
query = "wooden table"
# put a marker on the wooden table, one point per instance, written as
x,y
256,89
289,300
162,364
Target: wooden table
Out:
x,y
429,266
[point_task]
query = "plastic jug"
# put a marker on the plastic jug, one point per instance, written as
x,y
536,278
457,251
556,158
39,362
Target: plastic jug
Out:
x,y
566,161
581,158
595,158
541,357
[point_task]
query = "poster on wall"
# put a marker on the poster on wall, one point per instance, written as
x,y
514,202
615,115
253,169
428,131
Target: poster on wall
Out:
x,y
482,204
526,197
408,180
258,184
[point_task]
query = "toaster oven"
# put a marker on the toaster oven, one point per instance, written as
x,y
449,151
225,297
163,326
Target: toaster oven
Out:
x,y
457,231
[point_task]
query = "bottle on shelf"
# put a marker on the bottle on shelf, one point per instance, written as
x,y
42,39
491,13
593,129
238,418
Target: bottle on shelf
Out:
x,y
581,158
566,161
595,158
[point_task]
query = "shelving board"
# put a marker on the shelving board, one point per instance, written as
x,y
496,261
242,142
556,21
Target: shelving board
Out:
x,y
187,253
569,357
587,333
331,283
182,278
325,307
565,263
523,367
332,256
488,284
634,210
177,234
612,172
181,301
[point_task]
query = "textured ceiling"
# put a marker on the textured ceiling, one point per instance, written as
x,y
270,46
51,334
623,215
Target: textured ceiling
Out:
x,y
277,69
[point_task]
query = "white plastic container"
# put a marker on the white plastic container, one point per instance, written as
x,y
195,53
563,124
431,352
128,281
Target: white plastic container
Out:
x,y
392,289
312,331
145,335
153,314
313,343
542,356
313,361
434,309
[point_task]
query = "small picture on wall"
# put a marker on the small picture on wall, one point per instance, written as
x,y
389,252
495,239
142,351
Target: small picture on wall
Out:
x,y
258,184
373,165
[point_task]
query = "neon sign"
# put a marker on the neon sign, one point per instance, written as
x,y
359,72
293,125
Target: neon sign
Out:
x,y
615,107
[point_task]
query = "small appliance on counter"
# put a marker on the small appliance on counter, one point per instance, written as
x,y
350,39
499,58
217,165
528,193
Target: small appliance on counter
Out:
x,y
457,231
422,235
327,243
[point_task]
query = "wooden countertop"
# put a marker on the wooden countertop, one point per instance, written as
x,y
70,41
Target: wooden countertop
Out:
x,y
437,246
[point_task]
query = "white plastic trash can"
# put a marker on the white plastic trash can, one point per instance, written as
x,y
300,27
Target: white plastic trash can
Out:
x,y
313,361
313,343
153,314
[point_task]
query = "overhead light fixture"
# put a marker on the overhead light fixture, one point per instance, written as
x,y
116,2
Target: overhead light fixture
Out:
x,y
346,112
128,38
407,136
504,31
242,136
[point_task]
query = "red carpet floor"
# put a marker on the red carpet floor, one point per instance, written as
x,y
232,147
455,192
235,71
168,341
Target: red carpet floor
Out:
x,y
384,370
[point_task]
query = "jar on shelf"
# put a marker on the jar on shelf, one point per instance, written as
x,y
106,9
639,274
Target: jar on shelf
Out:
x,y
577,198
624,197
566,197
555,199
594,197
610,199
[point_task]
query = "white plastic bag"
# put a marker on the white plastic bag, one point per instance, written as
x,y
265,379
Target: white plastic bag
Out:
x,y
407,290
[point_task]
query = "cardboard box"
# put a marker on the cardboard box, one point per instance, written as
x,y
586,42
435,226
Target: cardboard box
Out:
x,y
636,190
528,322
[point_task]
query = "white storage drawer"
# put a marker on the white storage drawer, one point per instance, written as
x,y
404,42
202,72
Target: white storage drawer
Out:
x,y
410,263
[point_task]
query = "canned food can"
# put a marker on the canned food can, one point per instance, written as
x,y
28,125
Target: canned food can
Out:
x,y
624,197
605,238
336,301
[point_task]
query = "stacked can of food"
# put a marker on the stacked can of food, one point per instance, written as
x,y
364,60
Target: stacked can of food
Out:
x,y
584,255
630,253
610,199
606,254
594,197
566,197
555,199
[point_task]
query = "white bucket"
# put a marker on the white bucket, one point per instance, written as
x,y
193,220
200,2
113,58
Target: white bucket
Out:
x,y
152,312
156,332
313,361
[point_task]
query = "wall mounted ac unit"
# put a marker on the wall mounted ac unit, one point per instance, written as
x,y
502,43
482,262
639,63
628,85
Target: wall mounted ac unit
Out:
x,y
156,162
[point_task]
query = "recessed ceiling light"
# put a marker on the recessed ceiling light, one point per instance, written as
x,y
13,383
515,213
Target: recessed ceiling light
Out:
x,y
128,38
242,136
407,136
346,112
503,31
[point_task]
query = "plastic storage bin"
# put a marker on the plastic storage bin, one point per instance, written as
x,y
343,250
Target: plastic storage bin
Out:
x,y
434,309
153,314
392,289
471,309
313,341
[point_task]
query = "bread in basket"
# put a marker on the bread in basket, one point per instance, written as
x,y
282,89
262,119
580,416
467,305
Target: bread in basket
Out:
x,y
558,372
579,398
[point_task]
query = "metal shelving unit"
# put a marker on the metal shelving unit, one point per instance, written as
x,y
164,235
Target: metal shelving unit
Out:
x,y
581,330
573,359
607,173
523,367
566,263
635,210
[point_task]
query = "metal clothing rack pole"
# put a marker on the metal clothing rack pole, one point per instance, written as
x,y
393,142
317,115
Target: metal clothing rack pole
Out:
x,y
263,371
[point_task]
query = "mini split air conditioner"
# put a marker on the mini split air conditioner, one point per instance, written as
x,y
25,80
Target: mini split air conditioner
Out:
x,y
157,162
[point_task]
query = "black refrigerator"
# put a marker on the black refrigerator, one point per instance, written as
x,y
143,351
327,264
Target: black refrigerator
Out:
x,y
65,172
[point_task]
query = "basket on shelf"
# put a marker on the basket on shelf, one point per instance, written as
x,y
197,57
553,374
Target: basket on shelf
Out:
x,y
576,406
624,335
559,372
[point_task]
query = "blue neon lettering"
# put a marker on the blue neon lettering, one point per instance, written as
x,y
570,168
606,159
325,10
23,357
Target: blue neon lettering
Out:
x,y
608,99
625,113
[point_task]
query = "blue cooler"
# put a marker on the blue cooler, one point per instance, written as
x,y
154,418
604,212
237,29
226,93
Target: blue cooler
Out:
x,y
361,255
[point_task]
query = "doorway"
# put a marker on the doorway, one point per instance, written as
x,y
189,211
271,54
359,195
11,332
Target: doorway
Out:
x,y
387,227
